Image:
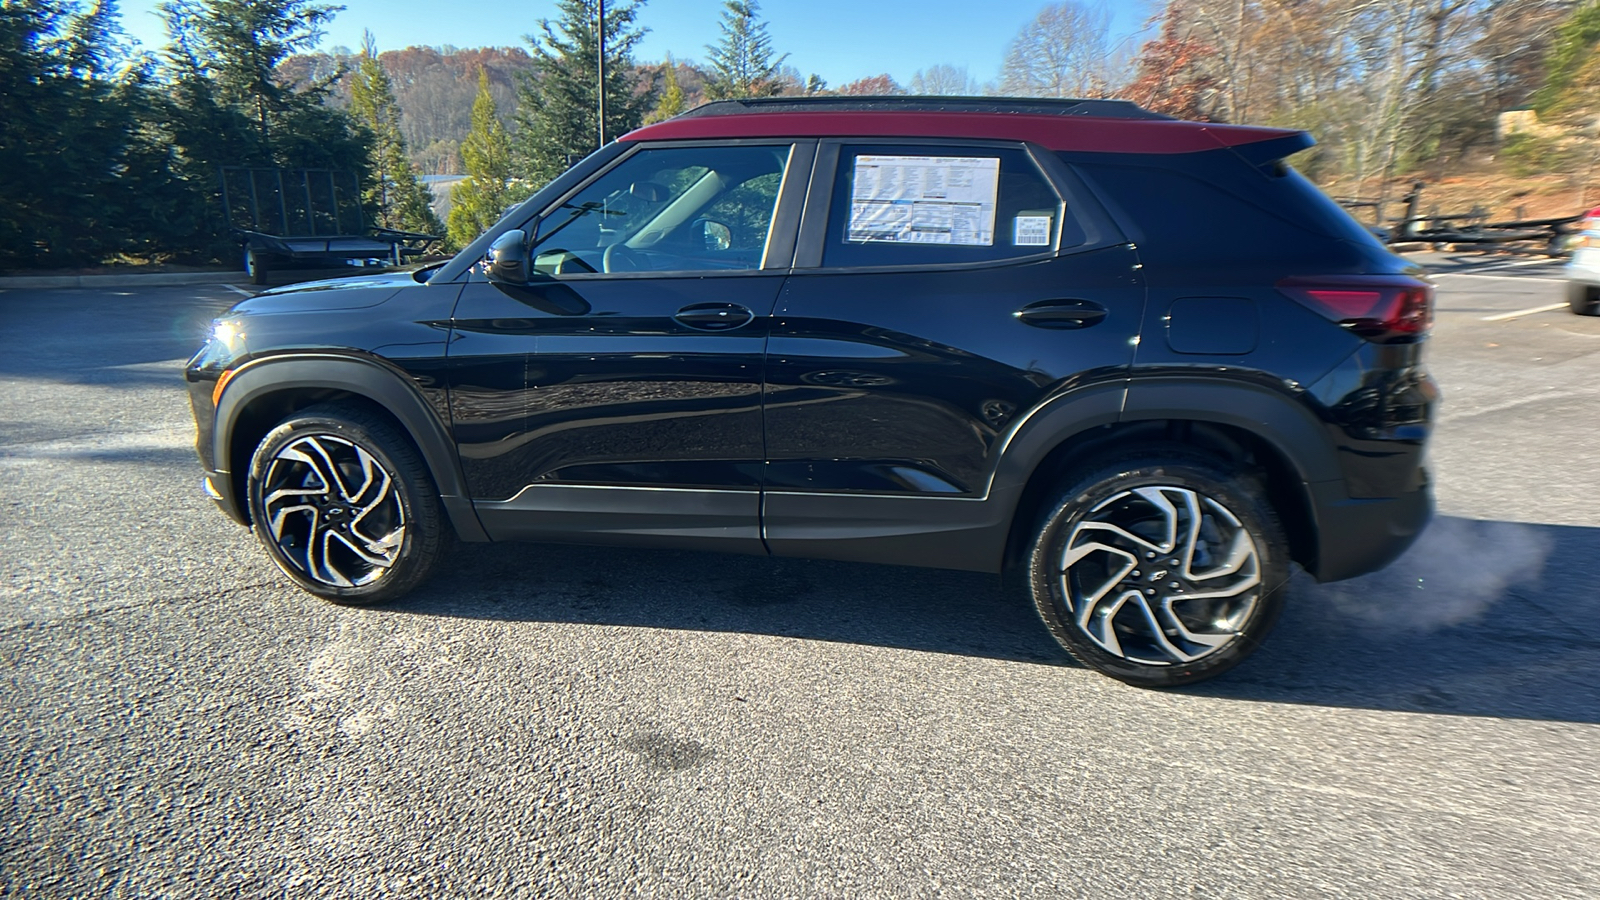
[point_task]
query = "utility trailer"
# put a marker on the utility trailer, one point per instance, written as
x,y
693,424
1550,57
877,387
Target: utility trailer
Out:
x,y
1551,235
306,218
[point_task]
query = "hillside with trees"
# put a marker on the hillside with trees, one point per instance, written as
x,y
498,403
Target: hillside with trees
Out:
x,y
110,153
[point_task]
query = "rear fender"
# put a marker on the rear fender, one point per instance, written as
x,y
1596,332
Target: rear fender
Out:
x,y
1273,416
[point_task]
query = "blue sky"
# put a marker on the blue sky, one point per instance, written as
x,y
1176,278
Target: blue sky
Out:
x,y
841,40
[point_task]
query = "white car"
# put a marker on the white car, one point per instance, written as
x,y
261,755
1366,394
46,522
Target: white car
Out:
x,y
1583,272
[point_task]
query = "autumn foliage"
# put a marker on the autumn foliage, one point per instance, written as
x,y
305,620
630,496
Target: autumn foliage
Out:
x,y
1169,77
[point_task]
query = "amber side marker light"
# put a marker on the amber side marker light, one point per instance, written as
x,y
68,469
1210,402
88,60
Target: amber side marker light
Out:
x,y
1383,309
222,382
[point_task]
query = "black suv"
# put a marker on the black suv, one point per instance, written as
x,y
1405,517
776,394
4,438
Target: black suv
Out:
x,y
1140,360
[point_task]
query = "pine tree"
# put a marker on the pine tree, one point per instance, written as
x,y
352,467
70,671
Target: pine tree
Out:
x,y
228,51
397,198
742,64
482,198
65,127
671,102
558,119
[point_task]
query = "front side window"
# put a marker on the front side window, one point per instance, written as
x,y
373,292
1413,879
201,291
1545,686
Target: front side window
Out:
x,y
668,210
896,205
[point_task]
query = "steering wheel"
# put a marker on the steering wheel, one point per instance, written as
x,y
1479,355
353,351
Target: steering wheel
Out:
x,y
619,257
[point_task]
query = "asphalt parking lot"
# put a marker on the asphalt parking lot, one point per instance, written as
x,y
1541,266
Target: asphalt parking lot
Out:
x,y
177,721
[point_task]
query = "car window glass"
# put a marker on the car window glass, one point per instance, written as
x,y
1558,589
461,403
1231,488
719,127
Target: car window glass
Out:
x,y
1166,205
897,205
667,210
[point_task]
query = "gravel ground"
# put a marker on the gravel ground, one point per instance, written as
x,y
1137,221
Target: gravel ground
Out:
x,y
570,721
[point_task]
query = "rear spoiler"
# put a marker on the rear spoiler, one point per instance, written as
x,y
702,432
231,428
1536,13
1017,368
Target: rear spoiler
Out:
x,y
1260,153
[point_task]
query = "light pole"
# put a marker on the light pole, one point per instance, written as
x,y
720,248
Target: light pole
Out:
x,y
602,67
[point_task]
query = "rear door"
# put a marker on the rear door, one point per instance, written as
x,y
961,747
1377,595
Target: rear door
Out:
x,y
942,292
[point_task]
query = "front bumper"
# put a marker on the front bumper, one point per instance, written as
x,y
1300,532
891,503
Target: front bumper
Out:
x,y
219,487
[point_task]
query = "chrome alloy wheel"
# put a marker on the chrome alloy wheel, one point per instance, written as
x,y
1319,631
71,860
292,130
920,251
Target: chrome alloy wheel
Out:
x,y
1160,575
333,511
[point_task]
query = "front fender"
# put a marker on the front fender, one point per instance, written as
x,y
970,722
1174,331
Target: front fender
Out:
x,y
363,376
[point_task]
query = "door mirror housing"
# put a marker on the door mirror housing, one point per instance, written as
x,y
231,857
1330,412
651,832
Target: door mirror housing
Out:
x,y
510,270
508,258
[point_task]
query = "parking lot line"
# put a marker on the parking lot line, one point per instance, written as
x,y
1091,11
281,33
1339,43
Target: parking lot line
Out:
x,y
1500,317
1500,277
239,290
1516,264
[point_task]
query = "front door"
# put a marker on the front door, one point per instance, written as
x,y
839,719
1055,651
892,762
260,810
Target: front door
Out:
x,y
621,400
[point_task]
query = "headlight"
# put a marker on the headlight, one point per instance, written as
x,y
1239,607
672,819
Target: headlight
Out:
x,y
228,335
217,358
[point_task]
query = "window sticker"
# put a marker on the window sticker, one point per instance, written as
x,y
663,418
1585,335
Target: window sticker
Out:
x,y
924,200
1031,231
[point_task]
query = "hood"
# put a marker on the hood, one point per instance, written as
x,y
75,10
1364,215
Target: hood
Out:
x,y
354,292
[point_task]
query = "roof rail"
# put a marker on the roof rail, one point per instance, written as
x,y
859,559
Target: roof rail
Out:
x,y
1107,109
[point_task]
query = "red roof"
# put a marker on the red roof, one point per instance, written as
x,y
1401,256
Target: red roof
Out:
x,y
1057,132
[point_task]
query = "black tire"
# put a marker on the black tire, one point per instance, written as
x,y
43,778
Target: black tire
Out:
x,y
1581,297
1177,614
255,265
375,535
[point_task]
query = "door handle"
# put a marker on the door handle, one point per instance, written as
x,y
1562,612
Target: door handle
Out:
x,y
1061,314
714,316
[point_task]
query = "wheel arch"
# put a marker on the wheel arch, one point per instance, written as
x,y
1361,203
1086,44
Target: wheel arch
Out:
x,y
1238,423
265,391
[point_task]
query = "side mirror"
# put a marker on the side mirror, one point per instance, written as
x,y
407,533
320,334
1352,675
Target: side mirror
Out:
x,y
508,258
716,235
510,271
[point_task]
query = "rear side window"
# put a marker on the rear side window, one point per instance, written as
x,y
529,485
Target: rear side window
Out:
x,y
900,205
1187,220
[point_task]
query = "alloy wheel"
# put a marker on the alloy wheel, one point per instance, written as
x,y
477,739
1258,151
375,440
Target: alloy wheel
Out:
x,y
333,511
1160,575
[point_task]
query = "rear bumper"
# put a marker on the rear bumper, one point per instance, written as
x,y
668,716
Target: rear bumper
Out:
x,y
1358,536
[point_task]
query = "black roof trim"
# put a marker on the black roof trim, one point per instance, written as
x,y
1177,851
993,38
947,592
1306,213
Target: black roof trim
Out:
x,y
1107,109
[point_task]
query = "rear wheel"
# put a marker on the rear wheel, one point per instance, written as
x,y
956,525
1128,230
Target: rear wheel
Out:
x,y
344,505
1581,297
1160,568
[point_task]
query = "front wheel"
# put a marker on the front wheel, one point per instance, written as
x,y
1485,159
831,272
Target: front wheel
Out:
x,y
1160,569
344,505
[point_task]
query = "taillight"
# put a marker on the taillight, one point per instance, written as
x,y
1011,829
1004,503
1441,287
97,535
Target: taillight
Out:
x,y
1381,308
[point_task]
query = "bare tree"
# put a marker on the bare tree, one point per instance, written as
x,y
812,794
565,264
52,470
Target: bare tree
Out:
x,y
1064,52
943,81
1384,84
1515,37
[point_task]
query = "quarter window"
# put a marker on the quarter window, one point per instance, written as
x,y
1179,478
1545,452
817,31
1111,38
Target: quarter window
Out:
x,y
896,205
